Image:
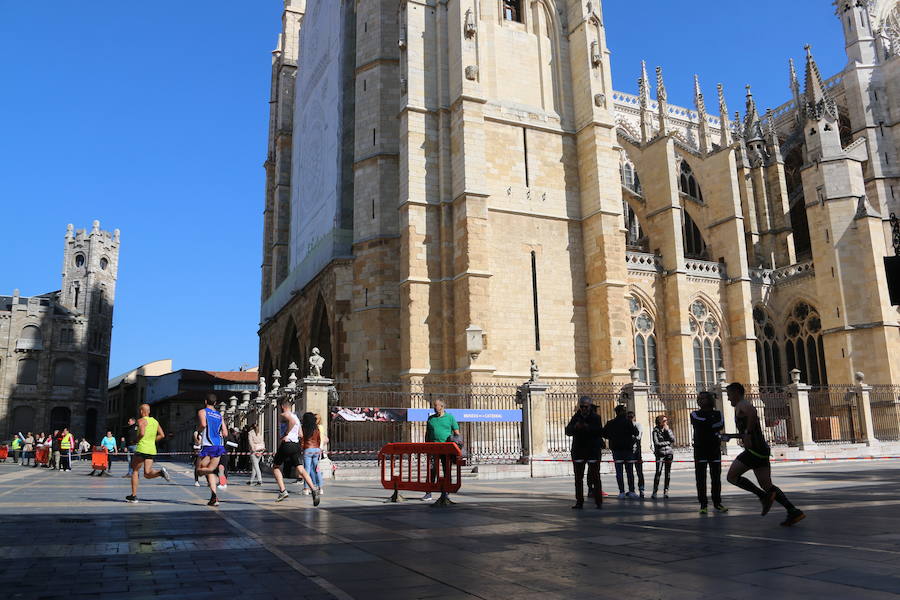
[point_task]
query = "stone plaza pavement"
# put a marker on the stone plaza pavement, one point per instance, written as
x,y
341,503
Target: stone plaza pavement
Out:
x,y
66,535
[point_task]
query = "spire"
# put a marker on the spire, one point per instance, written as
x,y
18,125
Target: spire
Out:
x,y
771,132
752,126
818,102
661,100
795,91
644,94
702,118
725,139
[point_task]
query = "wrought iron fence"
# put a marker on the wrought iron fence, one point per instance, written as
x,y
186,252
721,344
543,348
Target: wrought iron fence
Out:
x,y
835,415
562,402
488,442
885,403
773,405
675,402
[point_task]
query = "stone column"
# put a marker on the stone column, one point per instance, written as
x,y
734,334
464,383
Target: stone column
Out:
x,y
865,410
724,406
637,400
534,426
315,400
801,422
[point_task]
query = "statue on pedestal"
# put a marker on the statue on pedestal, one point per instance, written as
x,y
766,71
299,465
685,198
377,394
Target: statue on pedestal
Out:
x,y
535,372
316,362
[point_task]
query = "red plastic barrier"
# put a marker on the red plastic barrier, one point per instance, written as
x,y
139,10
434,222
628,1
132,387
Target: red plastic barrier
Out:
x,y
100,458
4,452
408,466
42,455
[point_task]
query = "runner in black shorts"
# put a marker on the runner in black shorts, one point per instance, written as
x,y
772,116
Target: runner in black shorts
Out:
x,y
756,457
707,423
288,454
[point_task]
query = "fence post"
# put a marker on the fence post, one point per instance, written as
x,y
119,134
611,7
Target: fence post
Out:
x,y
534,423
865,410
727,410
637,400
315,400
801,419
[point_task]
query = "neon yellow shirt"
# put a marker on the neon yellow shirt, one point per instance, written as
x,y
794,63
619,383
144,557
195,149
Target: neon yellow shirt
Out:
x,y
147,444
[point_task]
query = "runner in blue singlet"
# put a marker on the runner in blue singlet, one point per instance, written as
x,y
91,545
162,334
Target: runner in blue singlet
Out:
x,y
212,433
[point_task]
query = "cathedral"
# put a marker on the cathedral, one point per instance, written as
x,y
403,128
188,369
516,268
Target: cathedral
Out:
x,y
54,348
455,189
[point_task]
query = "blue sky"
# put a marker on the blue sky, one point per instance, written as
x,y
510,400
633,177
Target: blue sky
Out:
x,y
151,117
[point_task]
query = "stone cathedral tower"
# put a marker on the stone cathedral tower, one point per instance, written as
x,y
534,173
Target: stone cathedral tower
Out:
x,y
455,188
54,348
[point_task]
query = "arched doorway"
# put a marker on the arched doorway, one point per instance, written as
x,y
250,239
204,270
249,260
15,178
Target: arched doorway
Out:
x,y
22,419
320,336
60,417
90,426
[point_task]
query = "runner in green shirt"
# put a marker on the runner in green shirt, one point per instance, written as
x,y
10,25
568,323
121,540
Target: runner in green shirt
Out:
x,y
439,428
149,432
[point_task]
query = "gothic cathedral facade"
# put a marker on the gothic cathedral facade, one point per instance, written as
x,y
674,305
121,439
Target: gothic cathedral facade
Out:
x,y
455,188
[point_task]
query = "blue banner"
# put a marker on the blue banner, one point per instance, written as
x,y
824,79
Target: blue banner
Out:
x,y
469,415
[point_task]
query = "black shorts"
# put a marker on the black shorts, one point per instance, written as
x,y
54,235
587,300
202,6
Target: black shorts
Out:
x,y
754,460
288,454
145,456
708,454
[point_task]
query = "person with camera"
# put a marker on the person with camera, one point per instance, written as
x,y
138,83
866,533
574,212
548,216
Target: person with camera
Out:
x,y
586,430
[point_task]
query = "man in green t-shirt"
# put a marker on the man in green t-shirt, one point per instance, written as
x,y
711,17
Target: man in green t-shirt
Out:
x,y
439,428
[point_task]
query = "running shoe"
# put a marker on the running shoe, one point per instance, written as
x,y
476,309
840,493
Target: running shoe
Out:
x,y
165,474
621,495
306,491
703,510
321,491
721,508
578,505
666,494
653,495
196,484
426,497
213,501
131,499
223,487
316,498
259,484
767,501
282,495
793,518
126,475
632,495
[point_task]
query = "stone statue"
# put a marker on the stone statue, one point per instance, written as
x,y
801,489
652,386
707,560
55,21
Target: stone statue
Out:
x,y
316,362
535,372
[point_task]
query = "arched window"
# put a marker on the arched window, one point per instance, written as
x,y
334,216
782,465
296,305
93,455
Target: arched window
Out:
x,y
93,376
793,163
512,10
64,372
694,245
635,240
803,344
687,183
645,353
31,338
707,344
28,372
629,176
768,351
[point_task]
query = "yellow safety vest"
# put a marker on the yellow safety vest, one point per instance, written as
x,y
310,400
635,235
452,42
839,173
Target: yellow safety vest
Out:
x,y
66,442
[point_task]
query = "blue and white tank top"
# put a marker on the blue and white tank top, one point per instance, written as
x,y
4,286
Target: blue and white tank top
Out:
x,y
212,435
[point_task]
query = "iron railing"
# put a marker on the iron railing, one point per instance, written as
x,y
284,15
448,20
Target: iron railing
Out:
x,y
885,403
562,402
835,415
773,405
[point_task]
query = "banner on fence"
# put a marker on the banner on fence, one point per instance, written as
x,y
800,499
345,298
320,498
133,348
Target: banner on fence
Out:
x,y
420,415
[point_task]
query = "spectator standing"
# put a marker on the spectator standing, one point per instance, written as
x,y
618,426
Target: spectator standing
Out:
x,y
16,448
707,423
66,443
257,447
621,433
663,450
27,449
312,449
109,442
132,433
586,430
54,449
637,455
440,427
84,449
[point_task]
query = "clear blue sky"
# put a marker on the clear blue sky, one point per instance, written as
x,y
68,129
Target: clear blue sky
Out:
x,y
152,118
